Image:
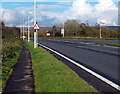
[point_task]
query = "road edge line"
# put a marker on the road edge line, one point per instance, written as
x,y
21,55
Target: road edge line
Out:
x,y
84,68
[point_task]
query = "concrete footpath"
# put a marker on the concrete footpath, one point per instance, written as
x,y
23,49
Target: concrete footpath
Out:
x,y
21,80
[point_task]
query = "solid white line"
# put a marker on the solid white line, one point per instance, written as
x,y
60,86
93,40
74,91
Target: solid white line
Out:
x,y
84,68
111,46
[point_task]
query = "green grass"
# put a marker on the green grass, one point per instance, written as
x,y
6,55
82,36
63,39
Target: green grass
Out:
x,y
96,38
51,75
110,44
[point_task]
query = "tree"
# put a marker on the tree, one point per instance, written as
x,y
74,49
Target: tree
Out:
x,y
2,24
53,30
71,28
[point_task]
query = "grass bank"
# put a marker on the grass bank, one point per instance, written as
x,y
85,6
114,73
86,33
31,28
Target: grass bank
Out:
x,y
11,51
51,75
110,44
92,38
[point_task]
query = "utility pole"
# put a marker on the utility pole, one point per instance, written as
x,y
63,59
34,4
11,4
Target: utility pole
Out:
x,y
99,21
28,30
23,29
35,22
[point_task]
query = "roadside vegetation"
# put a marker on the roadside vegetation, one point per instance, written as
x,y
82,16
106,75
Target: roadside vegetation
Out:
x,y
51,75
11,48
77,30
110,44
85,38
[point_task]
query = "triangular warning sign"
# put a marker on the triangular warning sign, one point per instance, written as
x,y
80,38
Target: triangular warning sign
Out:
x,y
36,27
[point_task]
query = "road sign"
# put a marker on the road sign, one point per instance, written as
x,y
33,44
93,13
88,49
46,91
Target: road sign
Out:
x,y
62,32
36,27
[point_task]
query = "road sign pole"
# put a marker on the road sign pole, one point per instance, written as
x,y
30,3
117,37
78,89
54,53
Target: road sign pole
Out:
x,y
35,39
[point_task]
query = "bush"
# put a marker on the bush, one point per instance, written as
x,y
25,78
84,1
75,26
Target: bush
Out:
x,y
11,48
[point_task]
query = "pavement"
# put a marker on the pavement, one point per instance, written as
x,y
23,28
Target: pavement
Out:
x,y
104,60
21,80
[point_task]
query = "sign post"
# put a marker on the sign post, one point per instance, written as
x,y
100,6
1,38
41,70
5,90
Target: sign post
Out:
x,y
36,27
62,32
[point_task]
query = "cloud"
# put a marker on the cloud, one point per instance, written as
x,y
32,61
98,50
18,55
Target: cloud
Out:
x,y
105,10
39,0
1,13
51,0
12,17
48,7
85,12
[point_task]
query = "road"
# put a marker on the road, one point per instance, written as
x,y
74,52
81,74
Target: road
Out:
x,y
101,59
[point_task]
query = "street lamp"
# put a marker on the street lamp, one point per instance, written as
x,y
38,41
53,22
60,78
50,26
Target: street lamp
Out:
x,y
23,28
100,31
28,30
100,23
35,21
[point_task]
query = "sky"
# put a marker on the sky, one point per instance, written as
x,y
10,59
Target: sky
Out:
x,y
56,12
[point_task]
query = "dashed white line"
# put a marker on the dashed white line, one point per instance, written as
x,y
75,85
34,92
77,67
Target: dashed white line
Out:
x,y
84,68
85,43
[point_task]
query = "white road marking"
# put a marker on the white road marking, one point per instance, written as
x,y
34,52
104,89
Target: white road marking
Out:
x,y
115,53
85,68
72,42
65,41
111,46
85,43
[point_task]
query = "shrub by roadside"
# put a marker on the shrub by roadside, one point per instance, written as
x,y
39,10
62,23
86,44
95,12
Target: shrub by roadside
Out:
x,y
11,49
11,52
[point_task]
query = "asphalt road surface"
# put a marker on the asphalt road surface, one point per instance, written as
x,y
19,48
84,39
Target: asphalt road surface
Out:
x,y
102,59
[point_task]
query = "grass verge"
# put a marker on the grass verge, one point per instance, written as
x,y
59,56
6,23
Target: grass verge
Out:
x,y
91,38
109,44
51,75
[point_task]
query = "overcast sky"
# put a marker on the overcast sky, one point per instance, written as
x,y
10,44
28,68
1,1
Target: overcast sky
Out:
x,y
56,12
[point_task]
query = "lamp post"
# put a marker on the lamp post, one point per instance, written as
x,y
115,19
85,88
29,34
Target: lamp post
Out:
x,y
35,21
99,21
101,24
23,28
100,31
28,30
